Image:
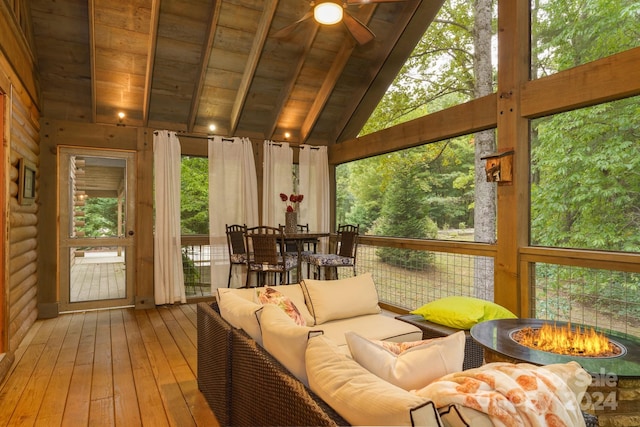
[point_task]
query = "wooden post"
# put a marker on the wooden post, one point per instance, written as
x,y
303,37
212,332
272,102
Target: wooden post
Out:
x,y
513,222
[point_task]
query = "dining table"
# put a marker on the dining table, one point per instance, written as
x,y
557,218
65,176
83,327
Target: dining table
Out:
x,y
300,238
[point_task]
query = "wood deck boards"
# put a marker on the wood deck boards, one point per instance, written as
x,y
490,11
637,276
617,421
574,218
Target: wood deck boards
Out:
x,y
118,367
97,278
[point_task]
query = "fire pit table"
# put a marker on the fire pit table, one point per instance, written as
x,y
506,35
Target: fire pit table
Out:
x,y
495,336
616,379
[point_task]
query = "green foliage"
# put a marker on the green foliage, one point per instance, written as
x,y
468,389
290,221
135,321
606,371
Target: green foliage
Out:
x,y
446,182
403,212
190,272
567,33
194,195
585,189
100,217
437,75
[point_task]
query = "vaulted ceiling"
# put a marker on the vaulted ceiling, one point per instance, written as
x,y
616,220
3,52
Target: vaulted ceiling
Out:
x,y
186,64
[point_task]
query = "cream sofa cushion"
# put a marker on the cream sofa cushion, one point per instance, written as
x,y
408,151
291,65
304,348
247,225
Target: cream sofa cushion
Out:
x,y
373,326
357,395
413,368
246,293
341,299
285,340
241,313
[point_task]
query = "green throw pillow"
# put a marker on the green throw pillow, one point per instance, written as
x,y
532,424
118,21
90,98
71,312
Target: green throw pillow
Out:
x,y
462,312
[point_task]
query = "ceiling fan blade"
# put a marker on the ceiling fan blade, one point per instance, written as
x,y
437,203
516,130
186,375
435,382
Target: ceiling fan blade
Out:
x,y
286,31
357,29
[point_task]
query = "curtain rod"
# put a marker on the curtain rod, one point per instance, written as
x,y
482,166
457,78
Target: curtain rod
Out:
x,y
300,146
191,135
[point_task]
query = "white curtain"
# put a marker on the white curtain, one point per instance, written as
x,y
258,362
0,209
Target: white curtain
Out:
x,y
168,277
233,199
314,184
277,177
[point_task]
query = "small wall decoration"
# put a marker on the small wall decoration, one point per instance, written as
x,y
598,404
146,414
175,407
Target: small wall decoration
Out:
x,y
26,182
499,167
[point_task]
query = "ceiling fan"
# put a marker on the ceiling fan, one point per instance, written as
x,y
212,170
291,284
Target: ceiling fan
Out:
x,y
330,12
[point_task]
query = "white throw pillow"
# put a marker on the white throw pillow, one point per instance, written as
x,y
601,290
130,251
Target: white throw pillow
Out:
x,y
340,299
285,340
357,395
241,314
413,368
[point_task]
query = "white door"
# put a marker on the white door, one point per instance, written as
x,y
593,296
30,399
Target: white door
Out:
x,y
96,236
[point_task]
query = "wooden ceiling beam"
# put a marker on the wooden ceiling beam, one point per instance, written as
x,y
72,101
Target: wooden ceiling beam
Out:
x,y
331,79
285,92
250,69
204,64
473,116
598,81
151,57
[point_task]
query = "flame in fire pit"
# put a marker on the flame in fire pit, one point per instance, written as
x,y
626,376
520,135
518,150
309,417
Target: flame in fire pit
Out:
x,y
586,342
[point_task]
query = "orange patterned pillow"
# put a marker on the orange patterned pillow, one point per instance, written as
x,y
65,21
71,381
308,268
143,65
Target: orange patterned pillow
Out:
x,y
272,296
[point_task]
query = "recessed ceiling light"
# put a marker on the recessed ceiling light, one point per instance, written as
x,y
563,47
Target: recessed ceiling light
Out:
x,y
287,135
212,127
121,115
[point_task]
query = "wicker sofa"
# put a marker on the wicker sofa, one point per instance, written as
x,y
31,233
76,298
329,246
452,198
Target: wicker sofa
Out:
x,y
245,384
239,362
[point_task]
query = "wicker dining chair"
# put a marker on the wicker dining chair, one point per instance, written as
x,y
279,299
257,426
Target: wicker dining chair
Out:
x,y
268,255
237,249
344,256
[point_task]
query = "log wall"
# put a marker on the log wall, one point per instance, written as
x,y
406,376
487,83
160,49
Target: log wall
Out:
x,y
23,221
20,137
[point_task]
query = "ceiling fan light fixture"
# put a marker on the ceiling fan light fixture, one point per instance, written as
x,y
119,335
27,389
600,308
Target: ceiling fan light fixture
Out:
x,y
328,12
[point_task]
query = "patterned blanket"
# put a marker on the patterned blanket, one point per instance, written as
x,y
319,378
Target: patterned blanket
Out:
x,y
516,394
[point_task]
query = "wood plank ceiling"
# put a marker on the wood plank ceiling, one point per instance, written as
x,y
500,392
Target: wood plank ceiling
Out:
x,y
186,64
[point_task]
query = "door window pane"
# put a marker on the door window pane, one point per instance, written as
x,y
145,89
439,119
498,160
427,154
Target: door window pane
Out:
x,y
98,196
96,273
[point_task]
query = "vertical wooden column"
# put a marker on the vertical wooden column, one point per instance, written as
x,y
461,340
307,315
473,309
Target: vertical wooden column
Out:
x,y
513,133
4,207
144,226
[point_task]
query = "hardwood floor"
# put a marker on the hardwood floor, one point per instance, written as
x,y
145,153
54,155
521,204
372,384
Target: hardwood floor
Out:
x,y
120,367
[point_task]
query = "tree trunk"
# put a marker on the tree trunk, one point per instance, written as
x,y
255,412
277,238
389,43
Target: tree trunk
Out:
x,y
485,192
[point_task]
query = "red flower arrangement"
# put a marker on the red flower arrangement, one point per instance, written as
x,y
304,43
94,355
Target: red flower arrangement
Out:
x,y
293,200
